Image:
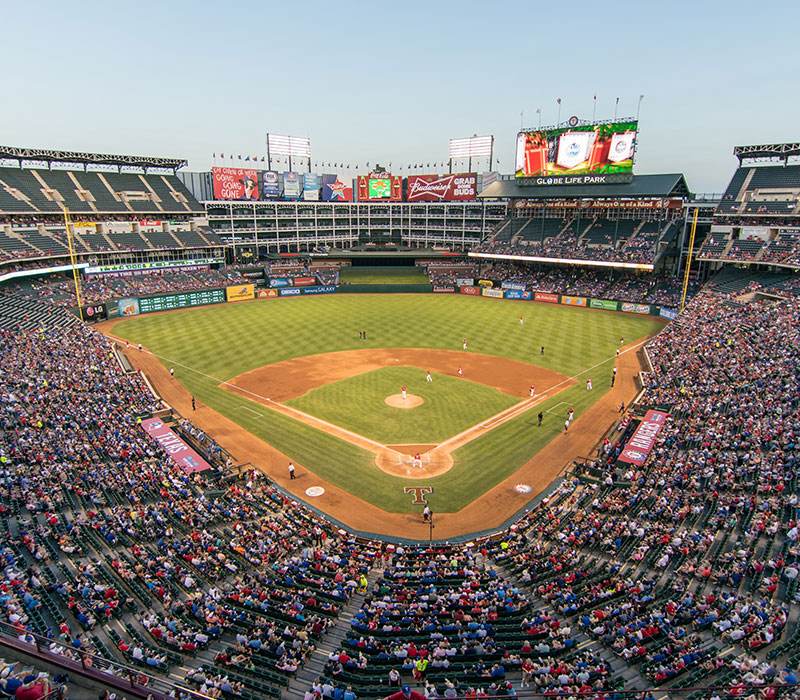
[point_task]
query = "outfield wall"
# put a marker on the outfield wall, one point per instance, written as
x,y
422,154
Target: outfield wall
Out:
x,y
134,306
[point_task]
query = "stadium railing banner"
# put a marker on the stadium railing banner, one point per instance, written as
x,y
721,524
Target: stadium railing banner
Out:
x,y
94,312
544,296
304,281
280,282
494,293
485,283
636,308
513,285
235,183
179,452
119,226
517,294
667,313
465,281
87,226
443,288
573,301
643,438
128,307
468,289
267,293
322,289
240,292
604,304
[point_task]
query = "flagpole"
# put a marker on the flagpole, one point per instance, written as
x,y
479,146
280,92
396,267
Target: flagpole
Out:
x,y
594,108
558,121
540,117
522,120
616,107
639,107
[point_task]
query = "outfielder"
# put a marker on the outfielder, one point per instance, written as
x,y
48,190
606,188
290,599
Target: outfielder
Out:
x,y
428,378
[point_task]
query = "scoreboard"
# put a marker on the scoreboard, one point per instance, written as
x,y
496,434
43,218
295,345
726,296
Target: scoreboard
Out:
x,y
179,301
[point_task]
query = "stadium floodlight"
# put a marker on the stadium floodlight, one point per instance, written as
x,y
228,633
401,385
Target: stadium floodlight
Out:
x,y
471,147
288,146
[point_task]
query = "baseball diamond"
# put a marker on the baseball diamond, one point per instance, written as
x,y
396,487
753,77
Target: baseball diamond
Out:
x,y
317,396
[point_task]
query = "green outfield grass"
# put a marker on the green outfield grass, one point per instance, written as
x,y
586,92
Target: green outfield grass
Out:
x,y
210,344
383,275
450,405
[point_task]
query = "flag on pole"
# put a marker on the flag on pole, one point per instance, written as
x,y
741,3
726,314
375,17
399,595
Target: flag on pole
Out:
x,y
558,100
539,111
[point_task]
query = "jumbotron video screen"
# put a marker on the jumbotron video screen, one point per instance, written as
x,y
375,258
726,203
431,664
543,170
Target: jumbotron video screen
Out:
x,y
577,154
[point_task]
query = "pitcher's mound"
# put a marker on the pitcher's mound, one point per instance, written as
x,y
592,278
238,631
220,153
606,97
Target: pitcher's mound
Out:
x,y
410,401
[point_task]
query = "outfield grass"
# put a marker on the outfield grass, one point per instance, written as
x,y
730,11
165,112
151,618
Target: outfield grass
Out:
x,y
209,344
450,405
383,275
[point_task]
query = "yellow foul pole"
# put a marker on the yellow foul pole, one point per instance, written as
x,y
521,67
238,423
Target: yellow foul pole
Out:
x,y
689,260
75,276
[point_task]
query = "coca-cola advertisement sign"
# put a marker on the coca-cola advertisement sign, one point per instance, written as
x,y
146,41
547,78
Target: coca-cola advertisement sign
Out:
x,y
447,188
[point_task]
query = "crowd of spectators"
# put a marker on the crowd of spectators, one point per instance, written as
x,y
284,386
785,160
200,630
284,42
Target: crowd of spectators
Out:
x,y
569,245
683,570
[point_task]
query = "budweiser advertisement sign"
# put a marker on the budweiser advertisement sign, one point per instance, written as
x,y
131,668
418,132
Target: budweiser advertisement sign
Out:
x,y
448,188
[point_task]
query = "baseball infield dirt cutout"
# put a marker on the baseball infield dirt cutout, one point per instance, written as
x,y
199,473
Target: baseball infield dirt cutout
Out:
x,y
410,401
292,378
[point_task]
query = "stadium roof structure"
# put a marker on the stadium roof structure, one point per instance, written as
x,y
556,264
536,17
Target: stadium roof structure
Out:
x,y
664,185
49,156
772,152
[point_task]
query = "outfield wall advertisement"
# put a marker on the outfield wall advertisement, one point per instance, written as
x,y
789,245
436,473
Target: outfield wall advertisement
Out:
x,y
604,304
635,308
573,301
494,293
545,296
240,292
517,294
470,290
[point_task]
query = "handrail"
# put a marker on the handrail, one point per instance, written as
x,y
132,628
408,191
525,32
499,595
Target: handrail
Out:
x,y
127,679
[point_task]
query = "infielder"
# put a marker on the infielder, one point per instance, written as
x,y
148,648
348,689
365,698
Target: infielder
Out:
x,y
533,390
460,371
403,390
588,384
417,461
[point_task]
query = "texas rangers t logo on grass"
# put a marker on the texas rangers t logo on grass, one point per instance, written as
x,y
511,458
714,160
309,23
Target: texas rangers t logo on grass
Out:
x,y
419,494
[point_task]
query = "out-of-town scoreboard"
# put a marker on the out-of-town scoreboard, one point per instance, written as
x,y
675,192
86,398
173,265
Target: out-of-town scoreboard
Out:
x,y
168,302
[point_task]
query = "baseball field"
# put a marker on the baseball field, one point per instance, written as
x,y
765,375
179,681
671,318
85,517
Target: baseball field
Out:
x,y
383,275
319,380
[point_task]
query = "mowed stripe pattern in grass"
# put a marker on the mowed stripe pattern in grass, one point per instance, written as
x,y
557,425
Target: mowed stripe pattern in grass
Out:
x,y
227,340
450,406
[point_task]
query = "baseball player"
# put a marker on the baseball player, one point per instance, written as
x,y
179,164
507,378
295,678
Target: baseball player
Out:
x,y
533,390
566,425
571,414
291,471
521,320
172,373
617,352
403,390
428,378
464,343
621,342
589,384
613,376
460,371
417,461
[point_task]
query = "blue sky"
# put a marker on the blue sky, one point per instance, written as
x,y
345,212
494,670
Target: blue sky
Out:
x,y
394,81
